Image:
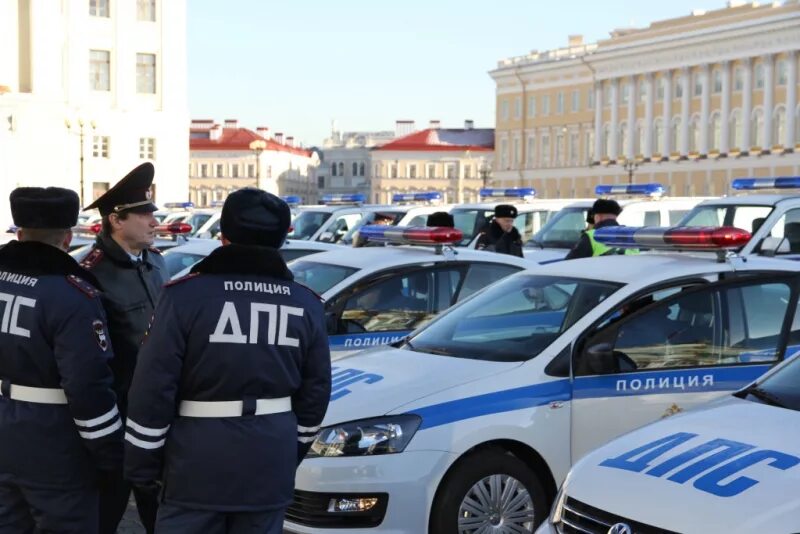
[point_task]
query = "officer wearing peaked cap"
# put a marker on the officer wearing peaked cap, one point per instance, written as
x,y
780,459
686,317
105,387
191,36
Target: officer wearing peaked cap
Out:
x,y
60,425
132,274
232,382
501,236
603,214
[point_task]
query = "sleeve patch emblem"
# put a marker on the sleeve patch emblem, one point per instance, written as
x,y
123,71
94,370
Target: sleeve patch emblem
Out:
x,y
99,330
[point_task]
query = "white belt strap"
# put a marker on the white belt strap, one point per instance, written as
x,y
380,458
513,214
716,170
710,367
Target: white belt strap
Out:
x,y
189,408
37,395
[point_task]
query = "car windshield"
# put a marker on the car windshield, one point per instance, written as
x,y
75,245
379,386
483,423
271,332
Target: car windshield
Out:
x,y
389,218
514,320
562,230
471,221
783,387
746,217
178,260
320,277
307,223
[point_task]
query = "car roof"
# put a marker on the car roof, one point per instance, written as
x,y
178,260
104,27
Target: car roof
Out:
x,y
205,246
755,200
650,268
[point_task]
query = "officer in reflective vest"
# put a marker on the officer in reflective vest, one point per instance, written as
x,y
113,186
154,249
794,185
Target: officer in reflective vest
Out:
x,y
60,429
232,383
604,214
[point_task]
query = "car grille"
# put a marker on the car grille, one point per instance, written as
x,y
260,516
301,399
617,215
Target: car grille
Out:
x,y
311,509
580,518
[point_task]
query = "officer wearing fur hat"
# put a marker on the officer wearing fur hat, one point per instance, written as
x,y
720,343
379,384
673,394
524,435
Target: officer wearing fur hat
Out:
x,y
604,213
60,426
440,219
501,236
132,274
232,382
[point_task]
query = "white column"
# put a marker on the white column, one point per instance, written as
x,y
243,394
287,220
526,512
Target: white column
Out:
x,y
686,102
769,99
598,121
648,116
667,114
705,109
614,143
747,103
632,99
726,108
791,100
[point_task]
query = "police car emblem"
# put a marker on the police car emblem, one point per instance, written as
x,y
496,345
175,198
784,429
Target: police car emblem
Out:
x,y
620,528
100,334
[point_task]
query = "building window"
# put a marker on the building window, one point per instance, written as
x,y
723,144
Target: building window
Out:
x,y
531,106
100,146
658,132
675,134
626,93
546,105
504,154
560,103
234,171
451,171
736,130
530,153
576,101
431,170
694,135
572,150
204,170
393,171
642,92
716,131
147,148
717,76
515,158
412,171
220,170
146,73
759,74
698,84
251,170
607,133
559,159
100,70
545,150
333,169
623,136
467,172
590,99
779,126
355,169
738,79
99,8
341,169
757,129
783,72
518,107
504,109
146,10
640,141
361,168
679,87
589,147
662,87
608,97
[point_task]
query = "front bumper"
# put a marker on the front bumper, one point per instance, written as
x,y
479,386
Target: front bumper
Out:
x,y
409,481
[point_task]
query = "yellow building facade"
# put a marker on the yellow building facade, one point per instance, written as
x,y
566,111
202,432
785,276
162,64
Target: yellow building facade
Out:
x,y
692,103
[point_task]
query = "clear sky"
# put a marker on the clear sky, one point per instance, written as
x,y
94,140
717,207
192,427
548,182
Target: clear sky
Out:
x,y
296,65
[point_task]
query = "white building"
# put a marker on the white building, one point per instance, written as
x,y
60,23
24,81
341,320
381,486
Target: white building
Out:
x,y
118,67
226,157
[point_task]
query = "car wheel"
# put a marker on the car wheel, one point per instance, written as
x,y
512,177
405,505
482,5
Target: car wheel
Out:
x,y
489,491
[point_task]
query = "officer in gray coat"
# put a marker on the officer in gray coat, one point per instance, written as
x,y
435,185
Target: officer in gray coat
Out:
x,y
131,274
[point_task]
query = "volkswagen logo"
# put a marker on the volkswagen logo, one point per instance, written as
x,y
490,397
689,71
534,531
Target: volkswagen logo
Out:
x,y
620,528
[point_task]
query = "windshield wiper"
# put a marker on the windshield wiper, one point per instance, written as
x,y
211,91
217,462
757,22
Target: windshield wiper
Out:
x,y
762,395
436,350
535,243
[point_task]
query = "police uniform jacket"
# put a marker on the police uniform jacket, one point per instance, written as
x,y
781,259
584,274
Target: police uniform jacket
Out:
x,y
496,240
53,335
130,293
583,248
237,329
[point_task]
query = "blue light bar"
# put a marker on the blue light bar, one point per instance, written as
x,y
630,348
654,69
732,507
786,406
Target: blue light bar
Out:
x,y
633,189
292,200
356,198
513,192
179,205
411,235
754,184
426,196
691,238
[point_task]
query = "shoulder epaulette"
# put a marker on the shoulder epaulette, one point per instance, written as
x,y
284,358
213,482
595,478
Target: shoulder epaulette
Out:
x,y
310,291
92,259
85,287
181,279
154,250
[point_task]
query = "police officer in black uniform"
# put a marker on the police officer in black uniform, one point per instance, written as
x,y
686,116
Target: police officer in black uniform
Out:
x,y
232,383
440,219
60,429
603,214
501,236
132,274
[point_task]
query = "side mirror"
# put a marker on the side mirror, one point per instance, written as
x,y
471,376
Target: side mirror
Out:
x,y
327,237
772,246
600,358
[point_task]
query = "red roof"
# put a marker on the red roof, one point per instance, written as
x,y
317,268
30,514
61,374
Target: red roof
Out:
x,y
443,140
237,139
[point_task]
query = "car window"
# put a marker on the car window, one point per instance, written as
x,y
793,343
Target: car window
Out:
x,y
290,254
419,220
788,226
471,221
307,223
339,227
514,320
399,301
744,217
652,218
320,277
676,216
177,260
198,219
481,275
705,327
562,230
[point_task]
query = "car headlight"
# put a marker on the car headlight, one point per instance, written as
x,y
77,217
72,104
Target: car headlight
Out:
x,y
558,507
381,435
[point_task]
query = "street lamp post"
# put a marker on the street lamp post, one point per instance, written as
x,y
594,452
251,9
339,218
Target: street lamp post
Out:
x,y
258,146
630,167
484,171
81,134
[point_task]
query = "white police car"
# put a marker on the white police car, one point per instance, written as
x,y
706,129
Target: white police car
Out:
x,y
732,466
644,205
378,295
472,423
